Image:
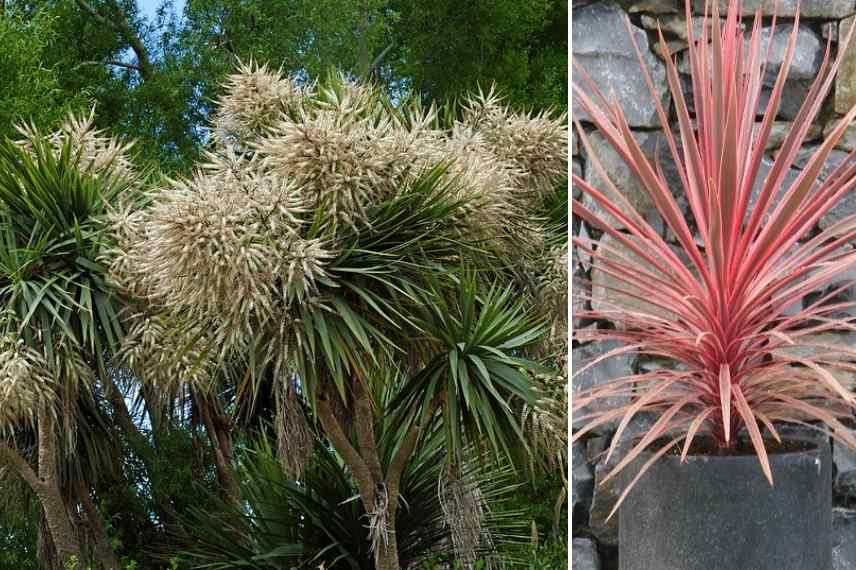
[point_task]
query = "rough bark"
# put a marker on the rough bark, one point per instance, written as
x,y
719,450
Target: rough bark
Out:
x,y
364,424
219,432
47,489
387,557
341,443
364,463
62,532
45,551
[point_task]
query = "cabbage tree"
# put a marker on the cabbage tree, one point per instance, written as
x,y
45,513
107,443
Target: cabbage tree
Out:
x,y
333,241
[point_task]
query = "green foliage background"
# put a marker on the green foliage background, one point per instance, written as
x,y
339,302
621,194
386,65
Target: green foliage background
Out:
x,y
55,57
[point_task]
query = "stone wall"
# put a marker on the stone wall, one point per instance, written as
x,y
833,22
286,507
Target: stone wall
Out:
x,y
601,45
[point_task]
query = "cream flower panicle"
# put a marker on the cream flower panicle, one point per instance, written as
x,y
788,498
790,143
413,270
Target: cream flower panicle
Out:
x,y
254,99
25,384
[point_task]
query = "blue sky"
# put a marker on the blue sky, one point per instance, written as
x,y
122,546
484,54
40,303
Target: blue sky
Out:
x,y
149,7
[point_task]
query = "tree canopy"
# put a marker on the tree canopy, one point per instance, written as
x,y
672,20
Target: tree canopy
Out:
x,y
156,79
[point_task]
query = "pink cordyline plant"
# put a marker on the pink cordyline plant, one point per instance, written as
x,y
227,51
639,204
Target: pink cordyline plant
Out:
x,y
720,305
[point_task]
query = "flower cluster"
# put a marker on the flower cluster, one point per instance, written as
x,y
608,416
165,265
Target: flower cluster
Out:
x,y
95,151
168,356
254,99
25,384
537,144
253,233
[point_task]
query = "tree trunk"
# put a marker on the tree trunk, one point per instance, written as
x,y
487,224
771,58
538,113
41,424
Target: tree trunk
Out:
x,y
62,533
45,485
364,463
45,551
386,558
220,435
47,489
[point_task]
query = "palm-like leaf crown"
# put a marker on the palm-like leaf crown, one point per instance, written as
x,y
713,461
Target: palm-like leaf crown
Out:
x,y
58,309
718,304
306,244
315,521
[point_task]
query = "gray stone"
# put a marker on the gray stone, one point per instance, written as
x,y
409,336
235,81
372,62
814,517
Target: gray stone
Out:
x,y
584,555
656,6
807,152
845,82
841,289
580,297
605,298
828,9
848,139
576,168
674,47
829,30
761,177
649,364
582,479
793,95
575,148
803,69
676,25
605,497
780,130
846,206
843,539
606,494
595,446
623,178
807,54
807,346
598,375
797,306
575,260
583,256
602,46
845,470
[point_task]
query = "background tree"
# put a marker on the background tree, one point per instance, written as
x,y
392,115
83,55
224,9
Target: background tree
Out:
x,y
446,48
31,88
156,79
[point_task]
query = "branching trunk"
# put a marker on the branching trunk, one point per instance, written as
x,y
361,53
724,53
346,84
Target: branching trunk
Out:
x,y
379,491
219,432
118,21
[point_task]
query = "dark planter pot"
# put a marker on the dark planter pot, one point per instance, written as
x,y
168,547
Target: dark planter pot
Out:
x,y
716,512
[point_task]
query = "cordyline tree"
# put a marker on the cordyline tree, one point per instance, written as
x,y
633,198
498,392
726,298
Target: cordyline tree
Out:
x,y
58,316
721,303
343,247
